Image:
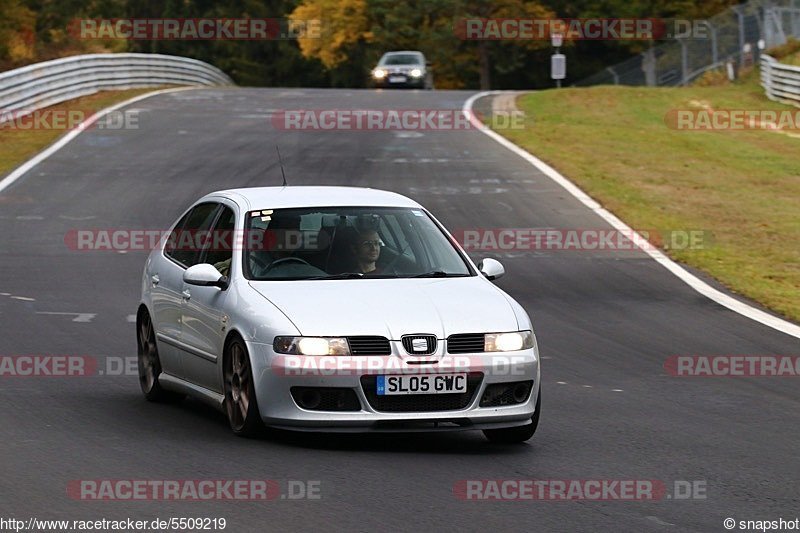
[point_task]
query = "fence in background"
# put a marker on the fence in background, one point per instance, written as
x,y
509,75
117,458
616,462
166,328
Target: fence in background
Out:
x,y
734,37
781,82
44,84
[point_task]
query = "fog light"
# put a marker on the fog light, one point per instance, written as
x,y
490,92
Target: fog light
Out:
x,y
310,399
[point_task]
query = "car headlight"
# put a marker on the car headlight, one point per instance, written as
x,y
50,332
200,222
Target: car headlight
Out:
x,y
416,73
311,345
379,73
508,342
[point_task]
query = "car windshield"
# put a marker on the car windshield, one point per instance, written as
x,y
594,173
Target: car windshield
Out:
x,y
401,59
348,243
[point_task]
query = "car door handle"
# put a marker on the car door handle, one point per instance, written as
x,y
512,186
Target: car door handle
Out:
x,y
186,295
155,280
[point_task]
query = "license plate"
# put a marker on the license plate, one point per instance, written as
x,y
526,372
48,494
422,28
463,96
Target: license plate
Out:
x,y
397,79
422,384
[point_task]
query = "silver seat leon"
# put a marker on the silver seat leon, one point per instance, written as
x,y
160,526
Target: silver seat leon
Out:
x,y
333,309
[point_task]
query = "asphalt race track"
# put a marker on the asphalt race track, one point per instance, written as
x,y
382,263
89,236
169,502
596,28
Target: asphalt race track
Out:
x,y
606,323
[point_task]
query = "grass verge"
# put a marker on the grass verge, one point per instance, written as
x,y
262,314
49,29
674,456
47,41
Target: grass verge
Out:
x,y
19,142
742,186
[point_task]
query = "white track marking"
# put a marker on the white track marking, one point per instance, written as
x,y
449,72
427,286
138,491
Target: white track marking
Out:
x,y
79,317
66,139
690,279
23,298
68,217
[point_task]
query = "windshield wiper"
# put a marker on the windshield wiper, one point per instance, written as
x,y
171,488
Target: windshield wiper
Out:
x,y
438,274
343,275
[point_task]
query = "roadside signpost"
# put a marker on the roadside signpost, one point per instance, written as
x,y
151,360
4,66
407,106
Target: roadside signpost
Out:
x,y
558,61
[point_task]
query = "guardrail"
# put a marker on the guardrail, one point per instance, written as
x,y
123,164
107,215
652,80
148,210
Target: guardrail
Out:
x,y
781,82
44,84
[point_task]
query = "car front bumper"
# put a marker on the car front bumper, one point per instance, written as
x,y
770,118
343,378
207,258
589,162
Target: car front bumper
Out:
x,y
407,83
276,375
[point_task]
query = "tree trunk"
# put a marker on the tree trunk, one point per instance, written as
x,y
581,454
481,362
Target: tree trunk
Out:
x,y
484,65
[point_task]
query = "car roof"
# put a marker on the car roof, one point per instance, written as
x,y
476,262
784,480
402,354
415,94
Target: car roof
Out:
x,y
313,196
396,52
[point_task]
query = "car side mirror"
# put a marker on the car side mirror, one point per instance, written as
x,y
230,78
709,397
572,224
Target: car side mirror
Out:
x,y
492,269
205,275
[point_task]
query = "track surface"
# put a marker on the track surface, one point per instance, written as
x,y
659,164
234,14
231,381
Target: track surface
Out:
x,y
608,321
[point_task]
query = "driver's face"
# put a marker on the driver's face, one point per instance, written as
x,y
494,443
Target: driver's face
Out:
x,y
368,247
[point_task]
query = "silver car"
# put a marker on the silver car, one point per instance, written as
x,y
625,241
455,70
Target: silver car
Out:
x,y
407,68
333,309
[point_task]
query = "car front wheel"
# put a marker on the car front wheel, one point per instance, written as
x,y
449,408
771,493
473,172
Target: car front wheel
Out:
x,y
240,398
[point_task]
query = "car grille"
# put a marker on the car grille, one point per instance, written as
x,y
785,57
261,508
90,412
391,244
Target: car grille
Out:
x,y
420,402
369,346
465,343
408,344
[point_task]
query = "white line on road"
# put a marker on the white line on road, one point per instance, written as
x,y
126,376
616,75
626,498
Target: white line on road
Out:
x,y
79,317
690,279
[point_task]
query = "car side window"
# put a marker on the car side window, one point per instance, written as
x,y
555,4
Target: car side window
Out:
x,y
220,249
184,242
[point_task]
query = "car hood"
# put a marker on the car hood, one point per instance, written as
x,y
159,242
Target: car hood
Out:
x,y
399,68
391,307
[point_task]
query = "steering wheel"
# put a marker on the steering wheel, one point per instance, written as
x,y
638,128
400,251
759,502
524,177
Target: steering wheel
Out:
x,y
257,260
390,264
284,261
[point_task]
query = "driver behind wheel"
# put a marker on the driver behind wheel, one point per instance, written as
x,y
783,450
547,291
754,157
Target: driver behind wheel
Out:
x,y
366,250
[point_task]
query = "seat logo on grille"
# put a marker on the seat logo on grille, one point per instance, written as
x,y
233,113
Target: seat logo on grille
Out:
x,y
420,344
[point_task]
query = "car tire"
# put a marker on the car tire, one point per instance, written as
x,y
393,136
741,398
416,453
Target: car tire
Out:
x,y
241,407
149,362
516,434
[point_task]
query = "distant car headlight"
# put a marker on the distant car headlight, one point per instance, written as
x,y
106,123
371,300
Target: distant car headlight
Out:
x,y
379,73
416,73
508,342
311,345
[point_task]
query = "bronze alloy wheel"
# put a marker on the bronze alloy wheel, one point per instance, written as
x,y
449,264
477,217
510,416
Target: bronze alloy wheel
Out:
x,y
240,398
149,362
